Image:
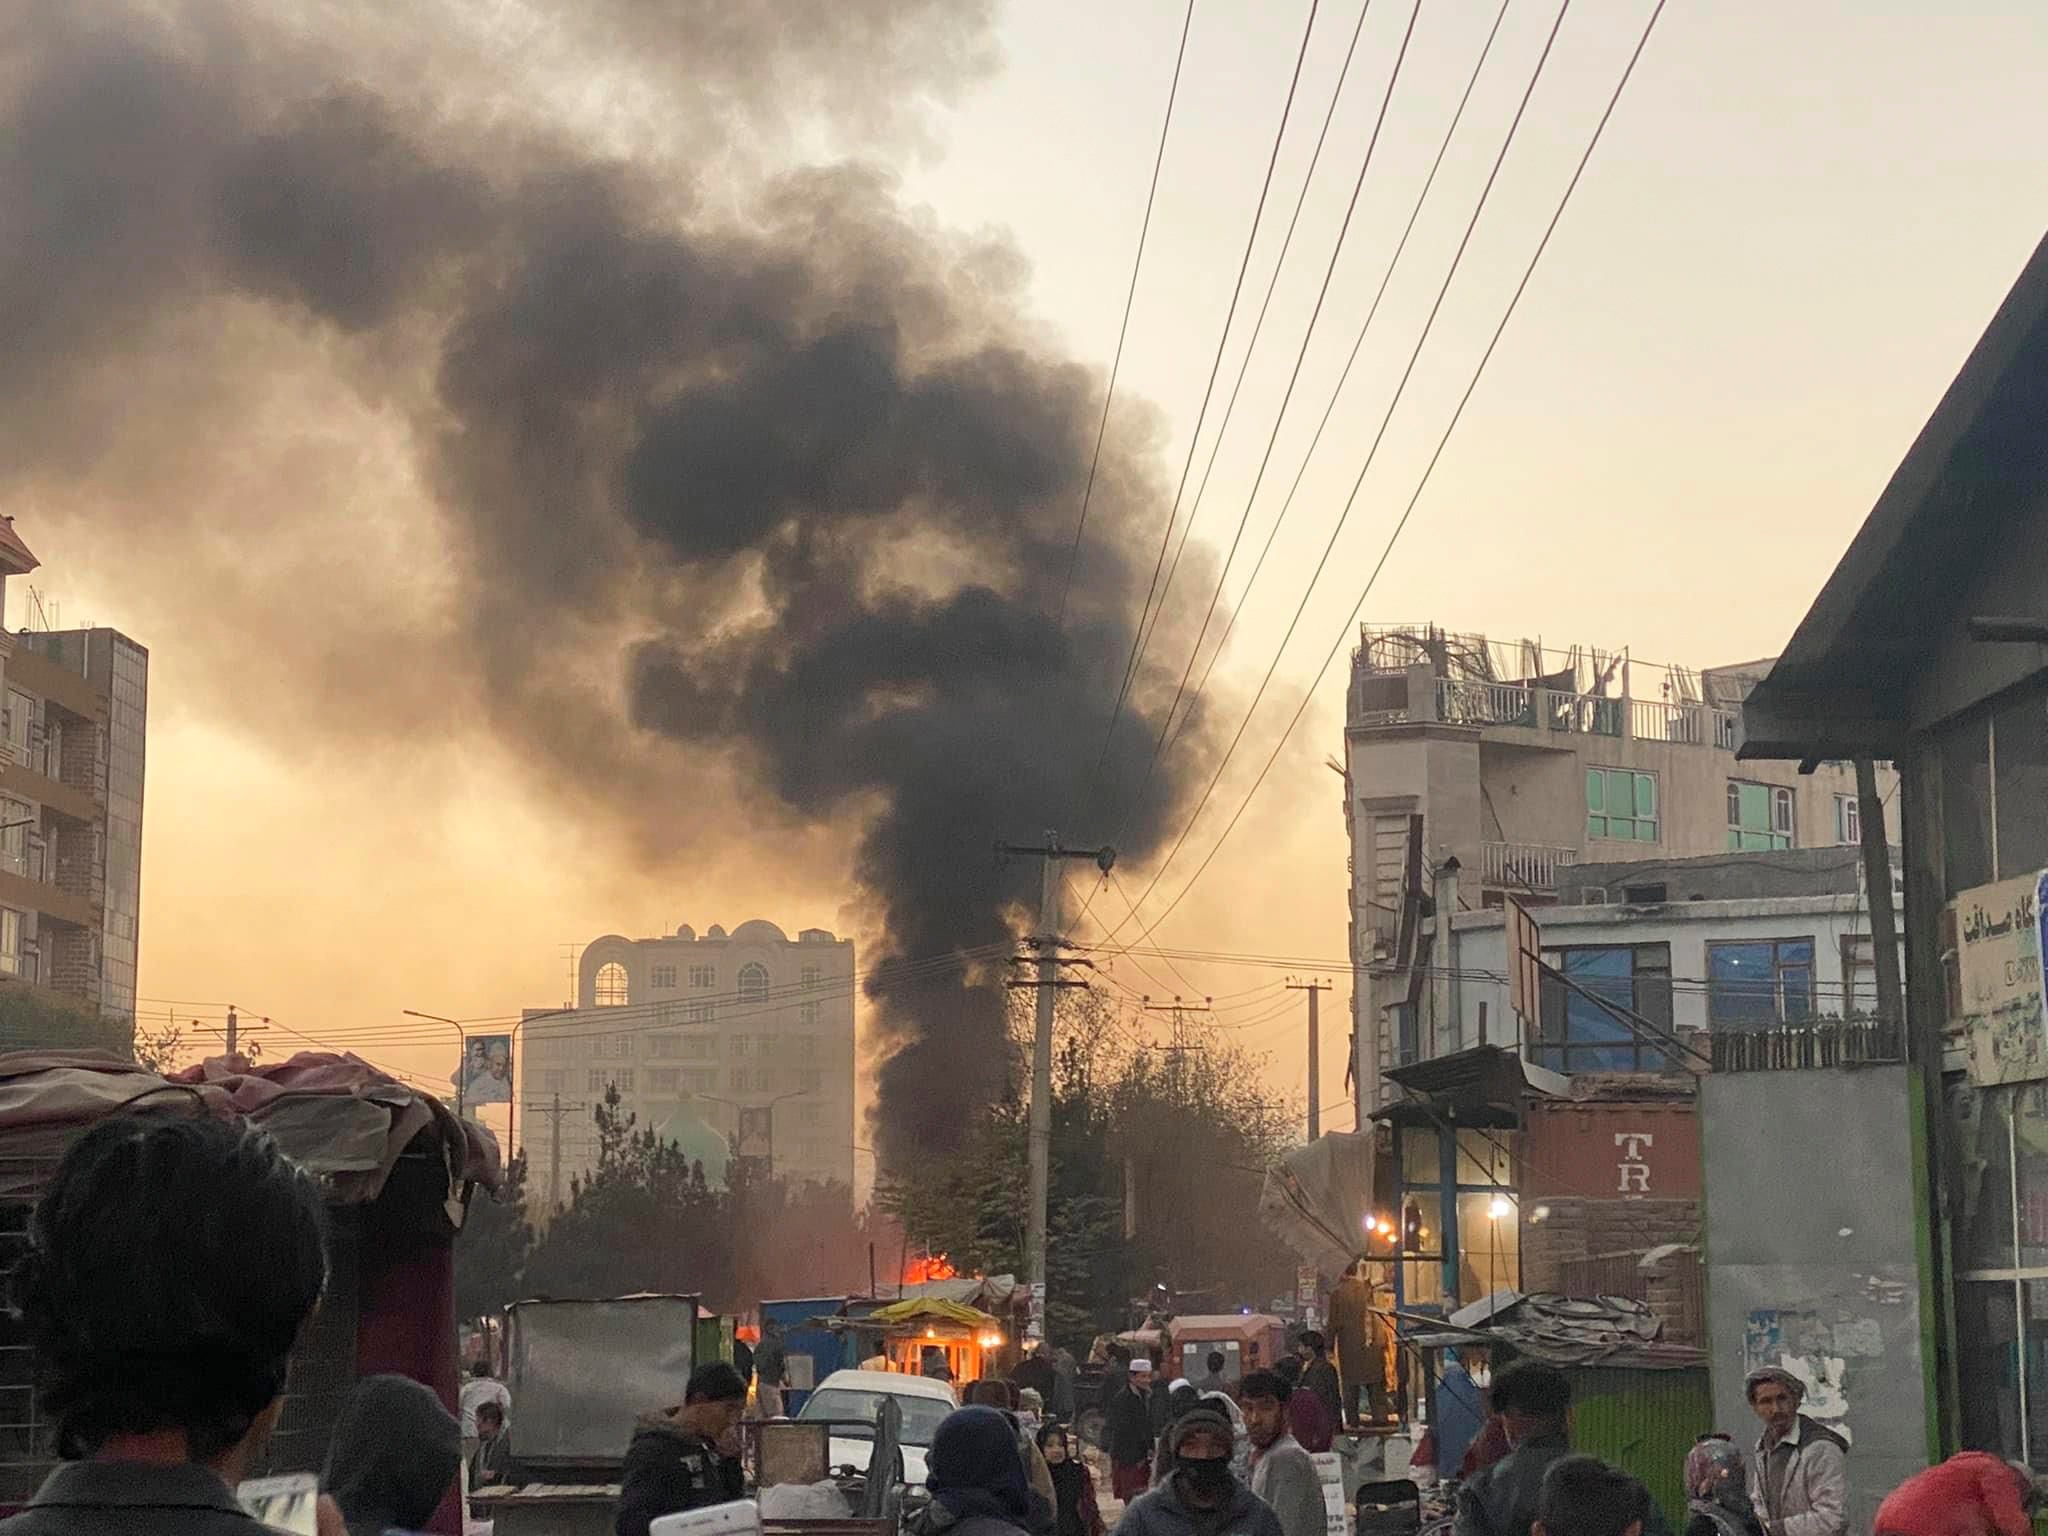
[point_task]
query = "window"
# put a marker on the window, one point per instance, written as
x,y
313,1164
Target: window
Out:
x,y
698,1047
662,978
807,1014
1644,895
807,1046
611,990
1759,816
700,1082
663,1045
2019,758
623,1077
703,977
764,1080
614,1047
742,1045
1848,820
738,1080
811,977
700,1013
1621,804
17,821
1769,981
664,1080
1859,974
10,941
21,725
554,1082
810,1080
1579,1035
598,1078
1592,895
764,1045
753,986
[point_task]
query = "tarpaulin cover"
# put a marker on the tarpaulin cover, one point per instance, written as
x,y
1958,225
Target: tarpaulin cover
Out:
x,y
1318,1196
930,1309
582,1372
338,1115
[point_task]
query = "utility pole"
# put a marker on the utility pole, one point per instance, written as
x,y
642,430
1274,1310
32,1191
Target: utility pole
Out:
x,y
231,1029
1047,942
1179,1008
1314,989
554,1111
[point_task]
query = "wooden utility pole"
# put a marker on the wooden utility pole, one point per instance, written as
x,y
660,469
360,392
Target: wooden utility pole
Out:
x,y
1877,879
1314,989
1047,944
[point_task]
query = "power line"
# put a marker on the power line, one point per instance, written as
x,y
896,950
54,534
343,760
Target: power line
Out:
x,y
1456,415
1130,298
1139,632
1286,399
1344,376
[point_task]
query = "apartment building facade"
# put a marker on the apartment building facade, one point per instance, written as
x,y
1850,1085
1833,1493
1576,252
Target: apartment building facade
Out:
x,y
1523,763
74,711
745,1038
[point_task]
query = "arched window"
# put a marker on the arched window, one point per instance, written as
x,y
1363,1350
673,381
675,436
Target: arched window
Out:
x,y
611,985
753,983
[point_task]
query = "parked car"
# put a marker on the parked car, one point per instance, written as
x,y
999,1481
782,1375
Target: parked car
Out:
x,y
846,1396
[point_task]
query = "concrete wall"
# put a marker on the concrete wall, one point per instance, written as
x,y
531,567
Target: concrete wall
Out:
x,y
1730,876
1813,1258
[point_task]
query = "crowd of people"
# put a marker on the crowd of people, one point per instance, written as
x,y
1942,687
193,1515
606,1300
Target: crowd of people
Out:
x,y
173,1262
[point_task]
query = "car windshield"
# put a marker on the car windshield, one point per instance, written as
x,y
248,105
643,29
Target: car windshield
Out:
x,y
921,1415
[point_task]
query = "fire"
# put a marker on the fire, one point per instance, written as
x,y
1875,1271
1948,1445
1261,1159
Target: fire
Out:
x,y
935,1266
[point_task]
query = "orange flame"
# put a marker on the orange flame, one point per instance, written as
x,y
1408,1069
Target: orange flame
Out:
x,y
932,1267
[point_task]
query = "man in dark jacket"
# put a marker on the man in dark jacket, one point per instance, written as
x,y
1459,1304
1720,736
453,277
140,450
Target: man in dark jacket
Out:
x,y
1201,1497
683,1459
1532,1400
1583,1496
1319,1375
1035,1371
1127,1428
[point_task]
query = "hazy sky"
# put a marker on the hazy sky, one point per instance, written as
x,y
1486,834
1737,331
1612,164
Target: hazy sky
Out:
x,y
1798,222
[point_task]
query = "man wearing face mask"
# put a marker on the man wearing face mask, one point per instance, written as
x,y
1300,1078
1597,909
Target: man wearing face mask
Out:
x,y
1201,1497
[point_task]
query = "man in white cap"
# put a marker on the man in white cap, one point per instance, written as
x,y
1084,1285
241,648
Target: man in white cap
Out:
x,y
1799,1477
1128,1432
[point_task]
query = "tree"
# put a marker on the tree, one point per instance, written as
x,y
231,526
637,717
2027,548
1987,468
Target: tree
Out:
x,y
491,1252
160,1050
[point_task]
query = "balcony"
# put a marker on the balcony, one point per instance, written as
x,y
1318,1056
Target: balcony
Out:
x,y
1518,706
1524,866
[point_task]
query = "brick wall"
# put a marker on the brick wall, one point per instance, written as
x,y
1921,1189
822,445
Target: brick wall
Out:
x,y
1565,1252
82,758
71,959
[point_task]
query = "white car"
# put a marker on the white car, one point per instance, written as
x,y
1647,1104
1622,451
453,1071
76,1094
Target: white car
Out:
x,y
857,1395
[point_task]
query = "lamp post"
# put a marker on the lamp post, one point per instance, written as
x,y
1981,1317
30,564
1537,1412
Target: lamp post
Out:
x,y
738,1108
461,1048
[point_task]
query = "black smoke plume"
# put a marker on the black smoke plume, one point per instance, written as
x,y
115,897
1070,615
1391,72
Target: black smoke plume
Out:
x,y
749,491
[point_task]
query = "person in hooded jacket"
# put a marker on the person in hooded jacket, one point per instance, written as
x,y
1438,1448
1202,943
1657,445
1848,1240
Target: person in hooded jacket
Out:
x,y
683,1458
1075,1509
1202,1497
393,1457
976,1478
1973,1493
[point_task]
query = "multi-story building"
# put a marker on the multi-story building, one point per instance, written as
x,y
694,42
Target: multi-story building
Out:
x,y
748,1034
74,708
1522,763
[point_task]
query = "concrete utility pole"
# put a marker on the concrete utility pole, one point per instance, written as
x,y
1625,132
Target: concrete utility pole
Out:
x,y
1047,943
554,1111
1314,989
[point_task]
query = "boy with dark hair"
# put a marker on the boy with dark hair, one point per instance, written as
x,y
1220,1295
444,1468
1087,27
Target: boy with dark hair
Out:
x,y
171,1265
1532,1400
1583,1496
685,1458
1282,1473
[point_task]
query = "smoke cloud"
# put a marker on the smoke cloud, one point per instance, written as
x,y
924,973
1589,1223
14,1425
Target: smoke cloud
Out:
x,y
698,482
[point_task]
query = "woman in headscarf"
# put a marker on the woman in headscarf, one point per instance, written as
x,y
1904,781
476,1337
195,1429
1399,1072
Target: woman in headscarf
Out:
x,y
1075,1511
977,1482
393,1457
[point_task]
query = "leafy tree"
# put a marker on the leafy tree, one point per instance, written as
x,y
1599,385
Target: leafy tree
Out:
x,y
491,1253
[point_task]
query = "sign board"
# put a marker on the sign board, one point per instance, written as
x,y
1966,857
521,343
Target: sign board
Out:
x,y
1330,1471
1998,961
1034,1326
756,1138
484,1075
1525,968
1308,1285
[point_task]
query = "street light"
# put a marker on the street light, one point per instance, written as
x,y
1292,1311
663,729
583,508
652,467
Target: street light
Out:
x,y
461,1049
737,1107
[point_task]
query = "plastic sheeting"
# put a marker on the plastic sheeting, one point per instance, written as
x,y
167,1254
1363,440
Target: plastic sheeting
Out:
x,y
1318,1196
581,1373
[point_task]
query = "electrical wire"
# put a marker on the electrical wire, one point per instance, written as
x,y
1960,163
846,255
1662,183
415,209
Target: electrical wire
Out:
x,y
1173,513
1130,299
1280,416
1344,376
1429,469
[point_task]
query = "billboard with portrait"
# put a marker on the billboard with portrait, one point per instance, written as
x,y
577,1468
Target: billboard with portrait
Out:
x,y
485,1076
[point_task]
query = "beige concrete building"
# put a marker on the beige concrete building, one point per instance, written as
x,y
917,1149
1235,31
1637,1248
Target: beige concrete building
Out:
x,y
740,1040
74,708
1522,762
